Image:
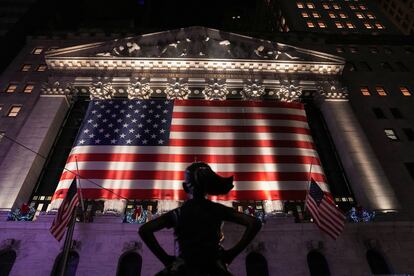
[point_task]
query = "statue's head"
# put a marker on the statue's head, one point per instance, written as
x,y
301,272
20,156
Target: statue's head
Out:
x,y
200,180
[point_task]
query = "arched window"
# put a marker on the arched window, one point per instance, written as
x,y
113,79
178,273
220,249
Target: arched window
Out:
x,y
256,265
377,263
129,264
71,266
7,258
318,266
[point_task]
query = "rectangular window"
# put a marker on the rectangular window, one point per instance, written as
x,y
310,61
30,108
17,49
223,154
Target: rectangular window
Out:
x,y
310,5
322,25
339,25
386,66
390,133
380,90
353,50
379,26
368,26
387,50
396,113
370,15
316,15
365,91
359,15
37,51
339,49
28,88
336,6
352,7
14,111
379,113
343,15
350,25
26,67
326,6
305,15
310,24
11,88
41,68
362,7
300,5
409,133
404,90
373,50
332,15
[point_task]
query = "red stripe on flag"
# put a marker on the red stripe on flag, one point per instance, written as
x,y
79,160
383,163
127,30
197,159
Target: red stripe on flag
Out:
x,y
170,194
240,129
268,116
188,158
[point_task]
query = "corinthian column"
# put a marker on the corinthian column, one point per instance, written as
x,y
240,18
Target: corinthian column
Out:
x,y
367,179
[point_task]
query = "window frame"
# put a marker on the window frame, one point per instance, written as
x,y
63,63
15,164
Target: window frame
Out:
x,y
390,133
16,112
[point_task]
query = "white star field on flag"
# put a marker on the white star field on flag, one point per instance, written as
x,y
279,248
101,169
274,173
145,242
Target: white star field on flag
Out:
x,y
132,122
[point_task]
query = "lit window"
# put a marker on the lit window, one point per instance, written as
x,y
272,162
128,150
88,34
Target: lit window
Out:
x,y
379,26
404,90
305,15
310,24
26,67
322,25
352,7
316,15
353,50
11,88
339,25
359,15
41,68
350,25
300,5
343,15
37,51
362,7
336,6
310,5
380,90
326,6
14,110
367,25
332,15
339,49
28,88
390,133
365,91
370,16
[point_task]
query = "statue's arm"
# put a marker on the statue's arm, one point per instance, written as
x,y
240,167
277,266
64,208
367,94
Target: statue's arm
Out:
x,y
147,231
252,225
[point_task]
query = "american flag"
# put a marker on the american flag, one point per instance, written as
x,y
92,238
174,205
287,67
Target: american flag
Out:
x,y
324,211
65,212
139,149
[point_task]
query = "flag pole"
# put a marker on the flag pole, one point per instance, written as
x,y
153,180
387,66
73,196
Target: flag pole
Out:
x,y
309,183
68,243
79,188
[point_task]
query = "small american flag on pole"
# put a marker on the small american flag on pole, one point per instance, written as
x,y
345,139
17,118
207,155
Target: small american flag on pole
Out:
x,y
139,149
324,211
65,212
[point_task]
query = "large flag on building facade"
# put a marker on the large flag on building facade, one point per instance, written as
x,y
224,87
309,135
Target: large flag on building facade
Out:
x,y
140,148
324,211
65,212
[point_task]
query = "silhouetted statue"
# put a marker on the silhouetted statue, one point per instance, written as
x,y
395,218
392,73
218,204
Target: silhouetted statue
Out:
x,y
197,227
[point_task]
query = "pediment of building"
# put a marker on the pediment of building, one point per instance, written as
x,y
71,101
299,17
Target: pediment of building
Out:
x,y
182,46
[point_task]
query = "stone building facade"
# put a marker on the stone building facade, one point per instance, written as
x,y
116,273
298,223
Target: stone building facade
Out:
x,y
37,103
